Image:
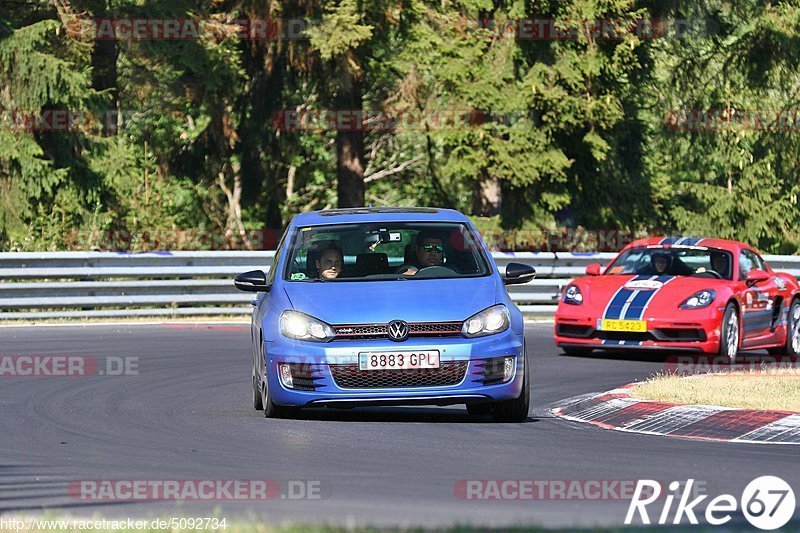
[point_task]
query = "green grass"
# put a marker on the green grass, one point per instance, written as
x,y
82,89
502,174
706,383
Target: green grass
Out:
x,y
255,526
774,389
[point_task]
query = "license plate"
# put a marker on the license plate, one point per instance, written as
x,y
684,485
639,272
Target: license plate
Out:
x,y
639,326
398,360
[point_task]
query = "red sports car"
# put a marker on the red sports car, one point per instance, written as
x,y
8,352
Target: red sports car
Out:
x,y
681,294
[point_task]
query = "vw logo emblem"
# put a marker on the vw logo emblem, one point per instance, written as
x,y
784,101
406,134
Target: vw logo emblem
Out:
x,y
398,330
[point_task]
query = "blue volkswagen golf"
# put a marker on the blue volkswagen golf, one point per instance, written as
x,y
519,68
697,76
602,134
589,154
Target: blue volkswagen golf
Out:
x,y
387,306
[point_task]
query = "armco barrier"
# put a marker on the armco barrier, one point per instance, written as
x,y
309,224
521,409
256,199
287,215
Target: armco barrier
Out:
x,y
108,284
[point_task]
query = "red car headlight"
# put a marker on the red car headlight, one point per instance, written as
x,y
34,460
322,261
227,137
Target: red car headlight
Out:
x,y
699,300
572,295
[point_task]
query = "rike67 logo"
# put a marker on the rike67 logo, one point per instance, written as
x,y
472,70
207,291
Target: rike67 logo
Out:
x,y
767,502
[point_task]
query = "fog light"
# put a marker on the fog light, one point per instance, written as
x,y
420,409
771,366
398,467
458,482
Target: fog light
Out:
x,y
508,368
285,374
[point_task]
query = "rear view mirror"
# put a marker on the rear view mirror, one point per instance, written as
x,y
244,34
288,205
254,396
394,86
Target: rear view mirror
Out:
x,y
593,269
253,281
756,276
517,273
382,237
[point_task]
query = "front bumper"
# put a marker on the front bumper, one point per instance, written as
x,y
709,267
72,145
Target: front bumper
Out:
x,y
689,330
315,359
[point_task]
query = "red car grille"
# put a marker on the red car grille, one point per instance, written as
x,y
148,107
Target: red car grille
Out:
x,y
350,377
381,331
659,334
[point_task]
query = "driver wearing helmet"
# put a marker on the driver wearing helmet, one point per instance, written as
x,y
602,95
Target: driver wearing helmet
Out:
x,y
659,263
719,263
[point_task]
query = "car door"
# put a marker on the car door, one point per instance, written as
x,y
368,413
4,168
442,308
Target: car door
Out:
x,y
261,305
758,301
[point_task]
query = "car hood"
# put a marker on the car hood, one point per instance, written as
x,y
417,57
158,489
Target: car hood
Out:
x,y
599,291
367,302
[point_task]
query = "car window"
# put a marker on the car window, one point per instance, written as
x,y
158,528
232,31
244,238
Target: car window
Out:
x,y
677,261
748,261
384,251
759,262
276,259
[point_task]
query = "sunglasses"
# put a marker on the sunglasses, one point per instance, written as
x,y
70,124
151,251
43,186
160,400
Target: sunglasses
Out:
x,y
433,248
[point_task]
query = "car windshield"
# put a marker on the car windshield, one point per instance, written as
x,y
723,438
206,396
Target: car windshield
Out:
x,y
674,261
384,251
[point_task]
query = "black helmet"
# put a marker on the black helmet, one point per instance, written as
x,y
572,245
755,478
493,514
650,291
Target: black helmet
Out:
x,y
719,255
659,255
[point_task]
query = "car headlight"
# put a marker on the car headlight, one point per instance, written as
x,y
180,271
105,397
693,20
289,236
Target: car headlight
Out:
x,y
699,300
572,295
488,322
303,327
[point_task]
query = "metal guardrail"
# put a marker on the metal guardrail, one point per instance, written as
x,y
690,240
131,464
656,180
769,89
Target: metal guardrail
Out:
x,y
109,284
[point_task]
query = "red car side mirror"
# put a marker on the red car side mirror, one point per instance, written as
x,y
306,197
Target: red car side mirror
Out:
x,y
756,276
593,269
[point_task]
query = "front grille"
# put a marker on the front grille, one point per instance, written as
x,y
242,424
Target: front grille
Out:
x,y
434,328
573,330
623,336
660,335
350,377
680,334
361,332
381,331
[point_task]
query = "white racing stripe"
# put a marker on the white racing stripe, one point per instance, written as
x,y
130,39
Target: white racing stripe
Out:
x,y
783,431
647,304
673,419
627,304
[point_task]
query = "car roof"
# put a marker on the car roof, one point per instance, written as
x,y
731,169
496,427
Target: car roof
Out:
x,y
378,214
679,241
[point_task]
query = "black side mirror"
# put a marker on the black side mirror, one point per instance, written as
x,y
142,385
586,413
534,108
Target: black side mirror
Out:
x,y
253,281
517,273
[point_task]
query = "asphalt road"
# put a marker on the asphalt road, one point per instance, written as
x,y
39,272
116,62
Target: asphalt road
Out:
x,y
187,415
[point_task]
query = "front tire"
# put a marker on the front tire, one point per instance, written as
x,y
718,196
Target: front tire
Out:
x,y
271,410
729,333
257,403
792,344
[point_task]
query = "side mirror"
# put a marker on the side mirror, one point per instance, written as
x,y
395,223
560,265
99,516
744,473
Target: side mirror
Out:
x,y
517,273
593,269
253,281
756,276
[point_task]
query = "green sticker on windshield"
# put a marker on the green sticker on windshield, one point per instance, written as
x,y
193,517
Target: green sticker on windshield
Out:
x,y
298,276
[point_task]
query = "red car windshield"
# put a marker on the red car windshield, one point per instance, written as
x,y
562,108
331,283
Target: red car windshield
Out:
x,y
660,261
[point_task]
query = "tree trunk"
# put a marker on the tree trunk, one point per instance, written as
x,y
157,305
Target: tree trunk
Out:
x,y
487,197
104,70
260,149
234,223
349,140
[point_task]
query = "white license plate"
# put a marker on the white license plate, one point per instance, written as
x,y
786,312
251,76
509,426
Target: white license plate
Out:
x,y
398,360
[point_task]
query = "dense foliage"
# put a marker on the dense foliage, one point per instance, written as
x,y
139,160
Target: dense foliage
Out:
x,y
650,116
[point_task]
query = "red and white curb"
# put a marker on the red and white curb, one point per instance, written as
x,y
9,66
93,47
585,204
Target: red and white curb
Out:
x,y
616,410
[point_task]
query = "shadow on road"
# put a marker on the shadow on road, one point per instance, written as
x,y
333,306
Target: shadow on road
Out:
x,y
394,415
37,488
653,356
